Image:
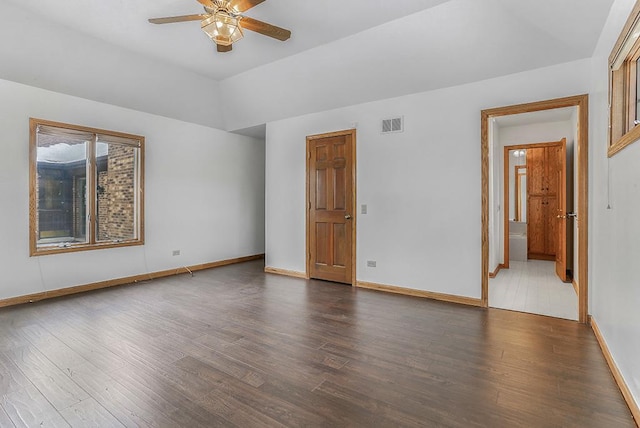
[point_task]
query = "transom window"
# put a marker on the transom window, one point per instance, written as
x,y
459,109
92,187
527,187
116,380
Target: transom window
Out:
x,y
86,188
624,90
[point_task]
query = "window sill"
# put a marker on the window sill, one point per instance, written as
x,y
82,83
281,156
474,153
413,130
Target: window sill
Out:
x,y
73,248
626,140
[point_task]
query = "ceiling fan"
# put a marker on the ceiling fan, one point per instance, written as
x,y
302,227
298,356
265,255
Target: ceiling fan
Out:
x,y
224,22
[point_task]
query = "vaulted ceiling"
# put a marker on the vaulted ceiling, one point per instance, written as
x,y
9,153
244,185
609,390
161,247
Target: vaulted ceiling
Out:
x,y
313,23
341,52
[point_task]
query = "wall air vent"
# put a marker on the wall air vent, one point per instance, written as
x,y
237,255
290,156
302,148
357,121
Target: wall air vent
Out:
x,y
395,124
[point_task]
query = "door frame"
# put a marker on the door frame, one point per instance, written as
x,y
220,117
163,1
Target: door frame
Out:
x,y
310,138
518,189
582,150
506,189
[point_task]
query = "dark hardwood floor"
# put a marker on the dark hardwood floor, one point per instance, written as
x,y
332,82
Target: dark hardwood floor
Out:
x,y
236,347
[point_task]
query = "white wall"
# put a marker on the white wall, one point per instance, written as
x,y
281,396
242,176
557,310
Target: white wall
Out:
x,y
422,186
614,234
542,132
436,52
204,194
40,53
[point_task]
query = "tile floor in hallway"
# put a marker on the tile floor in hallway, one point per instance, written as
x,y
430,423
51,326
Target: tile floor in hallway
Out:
x,y
533,287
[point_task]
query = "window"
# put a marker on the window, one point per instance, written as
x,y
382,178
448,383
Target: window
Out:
x,y
624,89
86,188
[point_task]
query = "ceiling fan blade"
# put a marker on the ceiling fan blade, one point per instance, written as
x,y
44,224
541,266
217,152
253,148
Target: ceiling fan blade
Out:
x,y
243,5
223,48
183,18
264,28
207,3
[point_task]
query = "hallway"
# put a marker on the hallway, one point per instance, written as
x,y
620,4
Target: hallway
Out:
x,y
533,287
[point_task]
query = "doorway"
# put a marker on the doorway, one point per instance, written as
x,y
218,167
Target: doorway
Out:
x,y
538,240
489,198
331,222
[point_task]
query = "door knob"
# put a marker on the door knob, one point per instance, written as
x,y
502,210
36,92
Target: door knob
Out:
x,y
347,217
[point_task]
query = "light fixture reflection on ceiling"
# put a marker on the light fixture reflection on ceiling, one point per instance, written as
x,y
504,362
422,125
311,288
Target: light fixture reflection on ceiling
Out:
x,y
223,28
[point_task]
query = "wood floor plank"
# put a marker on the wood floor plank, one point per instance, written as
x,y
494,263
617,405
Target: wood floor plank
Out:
x,y
147,398
234,346
194,415
273,407
11,378
144,350
177,319
56,387
5,420
220,361
55,350
374,411
190,385
88,413
122,402
29,408
221,403
10,339
85,342
157,392
334,410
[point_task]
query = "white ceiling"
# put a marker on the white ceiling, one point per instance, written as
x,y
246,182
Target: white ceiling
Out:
x,y
342,52
312,23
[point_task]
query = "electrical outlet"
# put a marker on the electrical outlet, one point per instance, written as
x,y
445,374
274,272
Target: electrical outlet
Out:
x,y
176,252
371,263
363,209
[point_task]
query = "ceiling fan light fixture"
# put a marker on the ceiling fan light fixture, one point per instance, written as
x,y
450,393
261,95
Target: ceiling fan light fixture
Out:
x,y
224,29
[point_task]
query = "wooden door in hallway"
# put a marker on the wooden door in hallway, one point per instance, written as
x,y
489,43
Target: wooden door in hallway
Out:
x,y
547,204
544,165
330,207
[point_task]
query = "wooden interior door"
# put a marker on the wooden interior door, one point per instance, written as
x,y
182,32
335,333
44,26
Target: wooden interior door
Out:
x,y
536,233
561,211
331,178
544,168
539,196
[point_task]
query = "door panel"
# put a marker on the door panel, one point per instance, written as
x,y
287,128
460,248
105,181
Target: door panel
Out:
x,y
552,166
535,169
339,194
321,189
331,200
322,243
339,250
535,231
